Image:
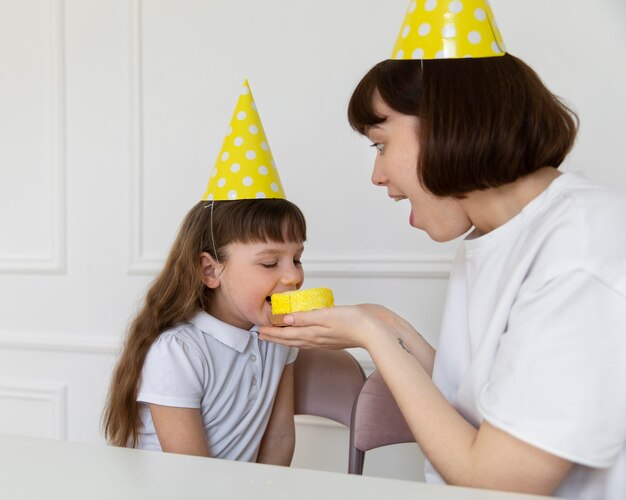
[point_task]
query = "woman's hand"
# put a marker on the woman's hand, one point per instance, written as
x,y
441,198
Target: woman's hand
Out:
x,y
331,328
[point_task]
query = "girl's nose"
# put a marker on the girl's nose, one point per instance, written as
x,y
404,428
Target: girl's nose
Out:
x,y
292,276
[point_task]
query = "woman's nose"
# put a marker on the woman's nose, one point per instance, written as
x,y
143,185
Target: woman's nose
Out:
x,y
378,177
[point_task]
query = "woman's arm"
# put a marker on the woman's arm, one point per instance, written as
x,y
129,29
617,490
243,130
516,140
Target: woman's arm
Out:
x,y
343,327
406,336
279,439
463,455
180,430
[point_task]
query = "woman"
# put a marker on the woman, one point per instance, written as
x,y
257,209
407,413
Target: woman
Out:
x,y
526,389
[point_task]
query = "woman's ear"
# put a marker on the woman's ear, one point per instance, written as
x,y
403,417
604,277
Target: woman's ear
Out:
x,y
210,270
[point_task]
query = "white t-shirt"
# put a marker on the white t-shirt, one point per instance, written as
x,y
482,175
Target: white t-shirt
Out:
x,y
533,338
228,373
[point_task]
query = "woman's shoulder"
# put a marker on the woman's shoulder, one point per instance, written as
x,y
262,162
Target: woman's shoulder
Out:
x,y
579,229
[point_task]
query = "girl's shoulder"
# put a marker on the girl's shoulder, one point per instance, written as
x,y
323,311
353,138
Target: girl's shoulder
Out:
x,y
183,336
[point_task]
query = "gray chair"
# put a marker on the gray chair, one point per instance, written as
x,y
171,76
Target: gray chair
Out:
x,y
376,421
326,384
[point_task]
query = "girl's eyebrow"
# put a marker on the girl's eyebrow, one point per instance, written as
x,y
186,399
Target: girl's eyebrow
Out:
x,y
276,251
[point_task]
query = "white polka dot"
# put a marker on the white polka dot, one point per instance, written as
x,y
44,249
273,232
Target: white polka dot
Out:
x,y
430,5
474,37
214,173
456,6
405,31
412,7
210,197
467,56
247,181
495,47
241,115
229,131
253,129
264,146
418,54
232,195
448,31
225,155
251,155
238,141
263,170
234,168
440,54
245,90
424,29
400,54
480,14
273,163
261,195
274,187
253,105
221,183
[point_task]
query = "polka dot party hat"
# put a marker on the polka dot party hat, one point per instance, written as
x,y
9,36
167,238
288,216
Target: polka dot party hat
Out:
x,y
448,29
245,167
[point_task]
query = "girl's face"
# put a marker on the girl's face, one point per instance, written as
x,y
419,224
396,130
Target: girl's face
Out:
x,y
252,273
396,169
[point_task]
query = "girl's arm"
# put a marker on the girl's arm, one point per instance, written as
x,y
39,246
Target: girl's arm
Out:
x,y
279,439
180,430
486,457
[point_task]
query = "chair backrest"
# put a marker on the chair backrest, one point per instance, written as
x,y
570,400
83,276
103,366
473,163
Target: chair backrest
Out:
x,y
326,384
376,421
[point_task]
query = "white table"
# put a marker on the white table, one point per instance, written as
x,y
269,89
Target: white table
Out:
x,y
34,468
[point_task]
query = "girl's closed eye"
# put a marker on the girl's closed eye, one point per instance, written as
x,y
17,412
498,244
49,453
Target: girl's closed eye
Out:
x,y
269,265
379,147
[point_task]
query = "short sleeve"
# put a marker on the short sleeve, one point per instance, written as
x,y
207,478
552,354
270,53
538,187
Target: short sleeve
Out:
x,y
292,355
173,373
559,376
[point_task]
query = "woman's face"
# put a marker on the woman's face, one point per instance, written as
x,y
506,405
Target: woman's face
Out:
x,y
395,168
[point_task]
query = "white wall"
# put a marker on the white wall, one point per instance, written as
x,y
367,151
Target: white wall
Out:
x,y
112,113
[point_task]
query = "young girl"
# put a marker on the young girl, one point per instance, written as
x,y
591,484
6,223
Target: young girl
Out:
x,y
193,376
526,391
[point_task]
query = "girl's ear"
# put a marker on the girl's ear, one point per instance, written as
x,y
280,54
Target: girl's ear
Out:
x,y
210,270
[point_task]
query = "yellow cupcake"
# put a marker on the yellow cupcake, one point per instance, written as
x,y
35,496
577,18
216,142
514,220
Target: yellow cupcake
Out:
x,y
299,300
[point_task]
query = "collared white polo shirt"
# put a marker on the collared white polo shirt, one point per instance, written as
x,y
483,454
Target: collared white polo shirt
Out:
x,y
227,372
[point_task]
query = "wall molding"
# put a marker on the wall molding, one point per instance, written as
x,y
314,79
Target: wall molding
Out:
x,y
140,263
52,262
100,344
54,394
418,267
81,344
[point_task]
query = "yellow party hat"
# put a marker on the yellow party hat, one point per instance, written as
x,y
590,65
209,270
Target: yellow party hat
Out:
x,y
448,29
245,167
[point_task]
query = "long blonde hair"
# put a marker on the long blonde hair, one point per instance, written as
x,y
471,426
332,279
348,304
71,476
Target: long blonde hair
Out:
x,y
177,293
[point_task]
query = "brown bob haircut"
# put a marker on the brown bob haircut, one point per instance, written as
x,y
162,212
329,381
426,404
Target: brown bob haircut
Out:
x,y
484,122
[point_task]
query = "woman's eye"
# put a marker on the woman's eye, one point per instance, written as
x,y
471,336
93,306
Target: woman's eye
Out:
x,y
379,147
269,265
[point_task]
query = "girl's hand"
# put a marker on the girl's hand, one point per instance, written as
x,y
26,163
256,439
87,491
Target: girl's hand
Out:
x,y
331,328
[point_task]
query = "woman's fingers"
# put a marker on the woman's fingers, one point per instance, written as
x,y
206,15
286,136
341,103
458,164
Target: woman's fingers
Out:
x,y
331,328
291,336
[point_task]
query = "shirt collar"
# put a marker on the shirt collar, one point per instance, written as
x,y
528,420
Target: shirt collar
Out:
x,y
229,335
